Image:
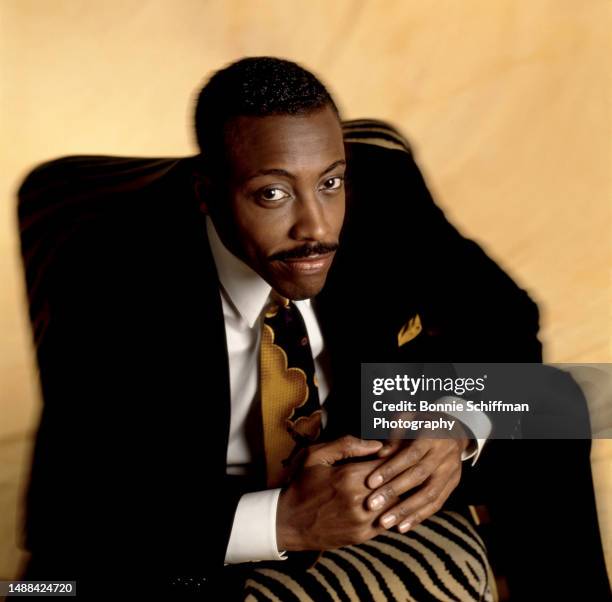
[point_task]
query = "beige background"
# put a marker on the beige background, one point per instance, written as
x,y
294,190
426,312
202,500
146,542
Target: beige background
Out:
x,y
507,103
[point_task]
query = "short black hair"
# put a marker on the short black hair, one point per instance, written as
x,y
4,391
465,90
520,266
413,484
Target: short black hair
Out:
x,y
255,86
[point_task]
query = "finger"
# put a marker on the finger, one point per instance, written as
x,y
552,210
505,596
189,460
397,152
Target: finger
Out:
x,y
409,479
424,503
398,463
341,449
427,511
412,477
441,450
390,447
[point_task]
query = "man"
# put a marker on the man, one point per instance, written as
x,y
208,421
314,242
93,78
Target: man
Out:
x,y
276,198
156,321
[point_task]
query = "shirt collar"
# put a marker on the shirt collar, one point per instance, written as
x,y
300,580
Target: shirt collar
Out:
x,y
246,289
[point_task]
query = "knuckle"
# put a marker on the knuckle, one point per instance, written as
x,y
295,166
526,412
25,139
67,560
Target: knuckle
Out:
x,y
403,510
431,495
388,492
356,499
453,466
413,450
347,443
388,472
420,473
413,455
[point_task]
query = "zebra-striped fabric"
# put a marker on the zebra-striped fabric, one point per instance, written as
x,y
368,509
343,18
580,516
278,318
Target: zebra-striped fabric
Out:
x,y
375,133
443,558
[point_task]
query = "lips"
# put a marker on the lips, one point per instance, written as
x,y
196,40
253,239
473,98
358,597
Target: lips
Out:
x,y
313,264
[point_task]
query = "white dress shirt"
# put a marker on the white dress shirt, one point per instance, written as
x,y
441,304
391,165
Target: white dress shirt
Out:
x,y
244,295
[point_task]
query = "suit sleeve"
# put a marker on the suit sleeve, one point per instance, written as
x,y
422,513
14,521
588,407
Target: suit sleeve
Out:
x,y
472,310
128,473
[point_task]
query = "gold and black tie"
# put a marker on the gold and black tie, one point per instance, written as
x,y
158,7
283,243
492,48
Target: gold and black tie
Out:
x,y
291,411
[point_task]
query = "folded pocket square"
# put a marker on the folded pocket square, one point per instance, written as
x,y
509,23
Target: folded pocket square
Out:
x,y
409,330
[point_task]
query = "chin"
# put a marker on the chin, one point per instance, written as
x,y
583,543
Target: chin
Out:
x,y
305,288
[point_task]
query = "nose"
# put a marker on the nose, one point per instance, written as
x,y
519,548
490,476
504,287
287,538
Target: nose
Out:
x,y
310,220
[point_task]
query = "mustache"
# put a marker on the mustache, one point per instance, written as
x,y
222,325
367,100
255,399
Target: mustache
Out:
x,y
318,248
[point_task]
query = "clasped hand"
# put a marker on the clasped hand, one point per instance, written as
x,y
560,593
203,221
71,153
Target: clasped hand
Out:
x,y
337,498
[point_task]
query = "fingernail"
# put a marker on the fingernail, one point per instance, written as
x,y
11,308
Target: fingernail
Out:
x,y
377,502
388,521
376,481
405,526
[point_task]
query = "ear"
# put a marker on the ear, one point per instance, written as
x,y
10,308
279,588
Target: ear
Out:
x,y
202,187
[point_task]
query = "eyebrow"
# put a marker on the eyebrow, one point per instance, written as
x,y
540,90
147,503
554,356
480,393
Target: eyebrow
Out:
x,y
287,174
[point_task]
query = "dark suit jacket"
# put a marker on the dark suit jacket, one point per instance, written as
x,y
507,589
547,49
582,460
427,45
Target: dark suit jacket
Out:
x,y
129,465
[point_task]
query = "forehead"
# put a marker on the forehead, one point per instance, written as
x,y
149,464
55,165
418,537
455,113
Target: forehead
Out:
x,y
296,143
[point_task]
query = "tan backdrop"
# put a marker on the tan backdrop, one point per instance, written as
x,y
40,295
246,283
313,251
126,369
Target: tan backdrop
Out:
x,y
507,104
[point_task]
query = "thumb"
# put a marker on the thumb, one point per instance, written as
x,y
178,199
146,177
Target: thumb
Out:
x,y
341,449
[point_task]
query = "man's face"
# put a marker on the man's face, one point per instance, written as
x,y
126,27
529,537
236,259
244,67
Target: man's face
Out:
x,y
283,204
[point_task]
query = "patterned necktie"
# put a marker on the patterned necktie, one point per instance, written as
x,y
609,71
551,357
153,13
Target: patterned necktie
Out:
x,y
291,411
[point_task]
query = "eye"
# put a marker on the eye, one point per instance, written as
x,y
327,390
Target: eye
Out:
x,y
273,194
333,183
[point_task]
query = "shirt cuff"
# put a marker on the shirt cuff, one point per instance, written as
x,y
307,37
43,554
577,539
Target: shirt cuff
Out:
x,y
477,422
253,536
